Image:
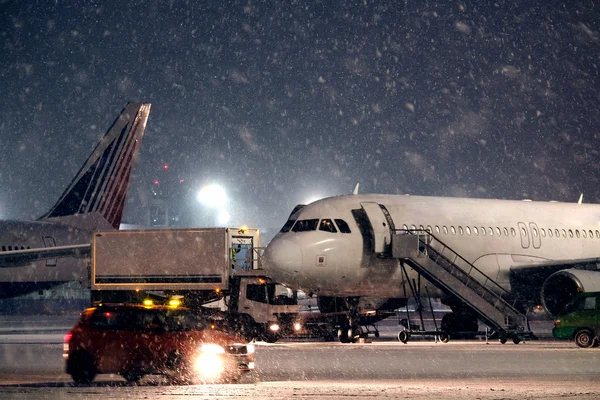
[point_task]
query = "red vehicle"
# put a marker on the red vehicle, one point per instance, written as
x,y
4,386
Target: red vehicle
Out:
x,y
135,340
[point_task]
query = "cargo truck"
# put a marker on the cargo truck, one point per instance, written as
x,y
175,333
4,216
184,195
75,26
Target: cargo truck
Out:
x,y
211,270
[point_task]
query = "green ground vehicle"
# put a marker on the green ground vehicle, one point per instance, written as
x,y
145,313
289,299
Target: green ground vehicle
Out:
x,y
580,320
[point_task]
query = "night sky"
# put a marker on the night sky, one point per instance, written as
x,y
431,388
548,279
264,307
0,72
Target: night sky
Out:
x,y
280,102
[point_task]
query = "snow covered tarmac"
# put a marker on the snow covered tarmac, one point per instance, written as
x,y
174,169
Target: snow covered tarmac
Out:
x,y
380,370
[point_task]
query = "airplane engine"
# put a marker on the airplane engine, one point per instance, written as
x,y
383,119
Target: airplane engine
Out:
x,y
562,286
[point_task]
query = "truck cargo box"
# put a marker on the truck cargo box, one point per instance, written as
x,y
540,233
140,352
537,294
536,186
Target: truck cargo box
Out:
x,y
166,259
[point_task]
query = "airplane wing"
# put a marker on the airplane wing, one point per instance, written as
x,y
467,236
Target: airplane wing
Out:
x,y
527,279
19,258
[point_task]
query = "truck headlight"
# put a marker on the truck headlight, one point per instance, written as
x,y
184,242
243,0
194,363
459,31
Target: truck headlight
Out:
x,y
297,326
250,348
274,327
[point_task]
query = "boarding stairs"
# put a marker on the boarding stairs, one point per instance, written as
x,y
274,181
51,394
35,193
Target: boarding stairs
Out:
x,y
451,273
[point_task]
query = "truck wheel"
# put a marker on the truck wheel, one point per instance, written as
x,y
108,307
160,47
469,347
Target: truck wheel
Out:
x,y
82,367
584,338
516,339
270,337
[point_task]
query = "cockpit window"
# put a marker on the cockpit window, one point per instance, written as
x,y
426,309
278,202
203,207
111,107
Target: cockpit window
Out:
x,y
342,225
327,226
288,225
305,225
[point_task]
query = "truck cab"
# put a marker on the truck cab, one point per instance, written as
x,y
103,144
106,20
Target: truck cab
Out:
x,y
580,320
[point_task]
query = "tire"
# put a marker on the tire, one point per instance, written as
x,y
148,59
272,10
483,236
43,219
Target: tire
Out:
x,y
270,337
82,367
503,338
584,338
343,335
516,339
403,336
132,376
444,337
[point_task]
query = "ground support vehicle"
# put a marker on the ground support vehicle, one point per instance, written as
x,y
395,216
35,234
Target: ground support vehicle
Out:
x,y
212,271
580,321
136,340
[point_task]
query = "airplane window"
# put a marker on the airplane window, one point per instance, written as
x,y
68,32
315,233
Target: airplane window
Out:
x,y
421,227
535,232
543,232
570,233
513,232
288,225
498,232
413,227
405,227
453,229
550,232
505,231
3,248
468,230
460,230
577,233
9,248
343,226
483,231
598,234
327,226
523,232
557,233
564,233
475,231
591,234
491,231
429,229
305,225
445,230
437,229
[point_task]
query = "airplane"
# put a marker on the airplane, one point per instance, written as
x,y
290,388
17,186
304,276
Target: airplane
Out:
x,y
37,255
340,249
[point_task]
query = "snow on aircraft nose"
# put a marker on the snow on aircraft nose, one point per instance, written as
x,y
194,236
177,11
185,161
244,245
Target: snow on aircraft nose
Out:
x,y
282,260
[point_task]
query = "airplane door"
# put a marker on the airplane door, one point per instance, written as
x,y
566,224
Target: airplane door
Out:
x,y
49,242
535,236
524,235
379,225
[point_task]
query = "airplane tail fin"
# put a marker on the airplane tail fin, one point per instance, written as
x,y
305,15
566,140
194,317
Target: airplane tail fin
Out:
x,y
99,188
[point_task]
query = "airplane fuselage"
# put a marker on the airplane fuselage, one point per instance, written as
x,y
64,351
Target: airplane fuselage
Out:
x,y
493,235
22,235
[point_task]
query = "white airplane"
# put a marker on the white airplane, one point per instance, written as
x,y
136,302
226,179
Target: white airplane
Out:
x,y
341,249
36,255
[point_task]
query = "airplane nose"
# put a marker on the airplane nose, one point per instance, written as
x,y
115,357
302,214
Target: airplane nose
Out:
x,y
282,260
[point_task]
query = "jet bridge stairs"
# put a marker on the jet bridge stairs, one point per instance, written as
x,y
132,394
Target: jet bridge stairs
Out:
x,y
454,275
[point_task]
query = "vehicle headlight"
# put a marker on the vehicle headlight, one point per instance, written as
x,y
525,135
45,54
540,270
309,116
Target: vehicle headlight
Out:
x,y
274,327
297,326
212,348
250,348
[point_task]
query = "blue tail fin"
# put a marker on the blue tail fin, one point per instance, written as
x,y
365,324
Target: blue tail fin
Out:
x,y
101,184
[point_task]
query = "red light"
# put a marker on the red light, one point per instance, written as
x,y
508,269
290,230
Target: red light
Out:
x,y
68,337
156,182
181,181
166,166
